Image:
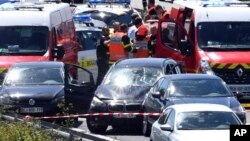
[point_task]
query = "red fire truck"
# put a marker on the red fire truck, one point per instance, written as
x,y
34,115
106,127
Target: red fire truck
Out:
x,y
210,37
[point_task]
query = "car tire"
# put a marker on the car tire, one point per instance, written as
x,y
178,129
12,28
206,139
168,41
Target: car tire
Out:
x,y
94,127
146,127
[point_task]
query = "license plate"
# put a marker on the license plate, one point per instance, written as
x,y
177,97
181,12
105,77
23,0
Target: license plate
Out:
x,y
124,116
32,110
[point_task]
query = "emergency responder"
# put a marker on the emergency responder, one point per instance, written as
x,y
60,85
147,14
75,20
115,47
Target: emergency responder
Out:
x,y
151,13
141,40
102,55
120,45
116,26
152,40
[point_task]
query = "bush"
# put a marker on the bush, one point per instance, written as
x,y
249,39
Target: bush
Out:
x,y
16,131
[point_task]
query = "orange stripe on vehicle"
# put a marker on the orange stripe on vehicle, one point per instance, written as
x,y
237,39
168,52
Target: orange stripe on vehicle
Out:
x,y
221,66
233,66
245,66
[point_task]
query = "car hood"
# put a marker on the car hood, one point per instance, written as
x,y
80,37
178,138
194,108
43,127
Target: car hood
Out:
x,y
42,92
227,101
202,135
111,92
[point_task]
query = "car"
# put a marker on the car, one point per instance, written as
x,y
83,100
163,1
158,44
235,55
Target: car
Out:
x,y
123,90
89,33
107,12
40,88
194,122
188,88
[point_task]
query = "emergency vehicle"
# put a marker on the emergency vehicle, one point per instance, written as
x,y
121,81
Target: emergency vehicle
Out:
x,y
89,32
210,37
37,31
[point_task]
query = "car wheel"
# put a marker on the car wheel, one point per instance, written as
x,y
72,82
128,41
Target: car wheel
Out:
x,y
146,127
94,127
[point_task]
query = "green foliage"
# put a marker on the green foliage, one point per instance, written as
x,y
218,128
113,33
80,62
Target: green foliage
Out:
x,y
16,131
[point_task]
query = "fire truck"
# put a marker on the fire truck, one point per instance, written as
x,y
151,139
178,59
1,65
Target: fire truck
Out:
x,y
211,37
36,31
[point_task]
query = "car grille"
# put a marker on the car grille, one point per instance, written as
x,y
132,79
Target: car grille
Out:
x,y
37,102
119,107
133,107
231,76
116,107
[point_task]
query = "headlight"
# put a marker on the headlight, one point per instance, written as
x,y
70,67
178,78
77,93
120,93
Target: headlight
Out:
x,y
205,67
98,105
5,99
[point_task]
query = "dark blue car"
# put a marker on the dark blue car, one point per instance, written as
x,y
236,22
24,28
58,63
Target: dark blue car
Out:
x,y
188,88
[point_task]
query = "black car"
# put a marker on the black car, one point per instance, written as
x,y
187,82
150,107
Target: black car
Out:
x,y
39,88
123,90
188,88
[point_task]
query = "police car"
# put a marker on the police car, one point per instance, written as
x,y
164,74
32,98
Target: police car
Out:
x,y
89,33
107,11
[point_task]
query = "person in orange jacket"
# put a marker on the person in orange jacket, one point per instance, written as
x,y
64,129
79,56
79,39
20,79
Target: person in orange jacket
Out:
x,y
141,42
120,45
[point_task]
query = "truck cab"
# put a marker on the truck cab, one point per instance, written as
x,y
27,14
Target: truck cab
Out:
x,y
210,37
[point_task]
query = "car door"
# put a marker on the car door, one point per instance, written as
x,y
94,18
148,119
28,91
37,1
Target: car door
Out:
x,y
79,88
156,130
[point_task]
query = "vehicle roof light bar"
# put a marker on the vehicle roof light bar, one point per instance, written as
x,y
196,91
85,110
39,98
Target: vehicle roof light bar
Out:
x,y
84,19
109,1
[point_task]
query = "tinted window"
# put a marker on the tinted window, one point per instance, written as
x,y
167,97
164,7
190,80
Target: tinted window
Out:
x,y
164,116
206,120
23,39
198,88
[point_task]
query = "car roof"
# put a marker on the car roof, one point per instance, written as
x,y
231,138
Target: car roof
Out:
x,y
199,107
154,62
185,76
44,64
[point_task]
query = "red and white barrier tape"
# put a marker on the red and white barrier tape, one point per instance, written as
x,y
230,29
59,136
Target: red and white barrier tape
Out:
x,y
28,118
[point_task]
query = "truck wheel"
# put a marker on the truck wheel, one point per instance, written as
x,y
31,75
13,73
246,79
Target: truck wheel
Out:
x,y
94,127
146,127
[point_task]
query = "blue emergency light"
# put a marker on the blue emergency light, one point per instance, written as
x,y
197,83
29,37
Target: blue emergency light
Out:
x,y
81,18
109,1
5,1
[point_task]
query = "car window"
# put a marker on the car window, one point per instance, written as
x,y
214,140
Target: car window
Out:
x,y
133,76
88,39
164,116
198,88
156,86
173,69
34,76
163,89
206,120
170,120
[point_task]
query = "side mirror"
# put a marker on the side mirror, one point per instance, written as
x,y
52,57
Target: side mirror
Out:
x,y
166,127
156,94
58,51
185,47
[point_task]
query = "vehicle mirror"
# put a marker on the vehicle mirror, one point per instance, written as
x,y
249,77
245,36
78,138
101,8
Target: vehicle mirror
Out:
x,y
185,47
156,94
238,95
166,127
58,51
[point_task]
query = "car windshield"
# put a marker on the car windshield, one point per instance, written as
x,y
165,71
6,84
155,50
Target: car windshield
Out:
x,y
88,39
110,17
133,76
206,120
225,35
34,76
198,88
23,40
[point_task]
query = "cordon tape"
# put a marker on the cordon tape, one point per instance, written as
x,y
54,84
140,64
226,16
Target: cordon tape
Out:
x,y
28,118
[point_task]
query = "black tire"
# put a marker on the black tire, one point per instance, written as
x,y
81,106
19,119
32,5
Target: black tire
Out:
x,y
146,127
94,127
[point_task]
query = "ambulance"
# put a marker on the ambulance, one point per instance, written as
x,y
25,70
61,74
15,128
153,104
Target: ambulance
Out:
x,y
37,31
211,37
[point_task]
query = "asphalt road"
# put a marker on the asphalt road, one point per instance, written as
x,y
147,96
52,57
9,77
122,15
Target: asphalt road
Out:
x,y
126,134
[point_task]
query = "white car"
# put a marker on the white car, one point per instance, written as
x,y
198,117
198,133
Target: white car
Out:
x,y
194,122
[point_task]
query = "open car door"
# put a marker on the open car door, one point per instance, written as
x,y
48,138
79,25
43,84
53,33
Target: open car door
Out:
x,y
79,88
